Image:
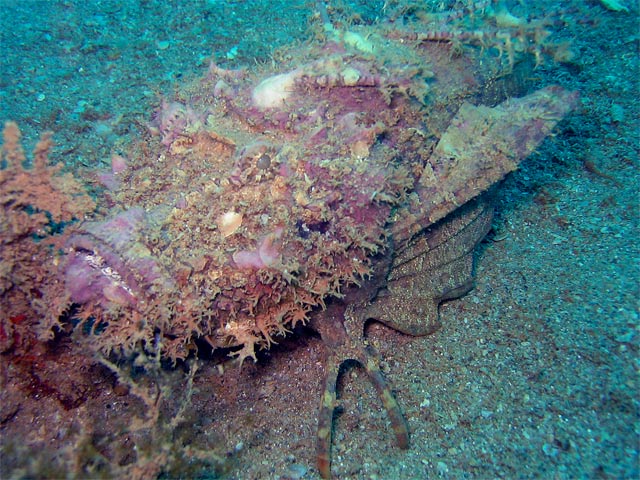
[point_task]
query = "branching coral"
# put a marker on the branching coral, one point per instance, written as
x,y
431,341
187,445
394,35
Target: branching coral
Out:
x,y
35,205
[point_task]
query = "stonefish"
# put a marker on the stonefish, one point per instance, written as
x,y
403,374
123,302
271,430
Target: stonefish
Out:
x,y
343,183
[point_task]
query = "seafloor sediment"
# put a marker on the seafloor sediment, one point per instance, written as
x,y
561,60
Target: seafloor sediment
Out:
x,y
533,374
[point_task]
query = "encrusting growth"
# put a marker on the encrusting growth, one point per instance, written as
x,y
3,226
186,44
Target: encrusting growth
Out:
x,y
35,205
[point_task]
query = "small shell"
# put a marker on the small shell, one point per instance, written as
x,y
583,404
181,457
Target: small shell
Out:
x,y
229,222
118,164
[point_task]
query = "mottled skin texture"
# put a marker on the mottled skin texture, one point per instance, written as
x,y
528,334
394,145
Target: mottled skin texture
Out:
x,y
430,258
404,293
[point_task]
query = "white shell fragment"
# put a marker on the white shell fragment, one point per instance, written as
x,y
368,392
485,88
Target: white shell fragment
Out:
x,y
229,223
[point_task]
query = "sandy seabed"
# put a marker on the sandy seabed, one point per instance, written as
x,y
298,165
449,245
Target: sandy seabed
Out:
x,y
534,373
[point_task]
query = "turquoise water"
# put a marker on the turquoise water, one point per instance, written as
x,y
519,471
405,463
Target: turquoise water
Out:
x,y
533,374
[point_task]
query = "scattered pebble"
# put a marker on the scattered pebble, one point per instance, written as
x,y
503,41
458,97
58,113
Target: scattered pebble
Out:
x,y
295,471
442,469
